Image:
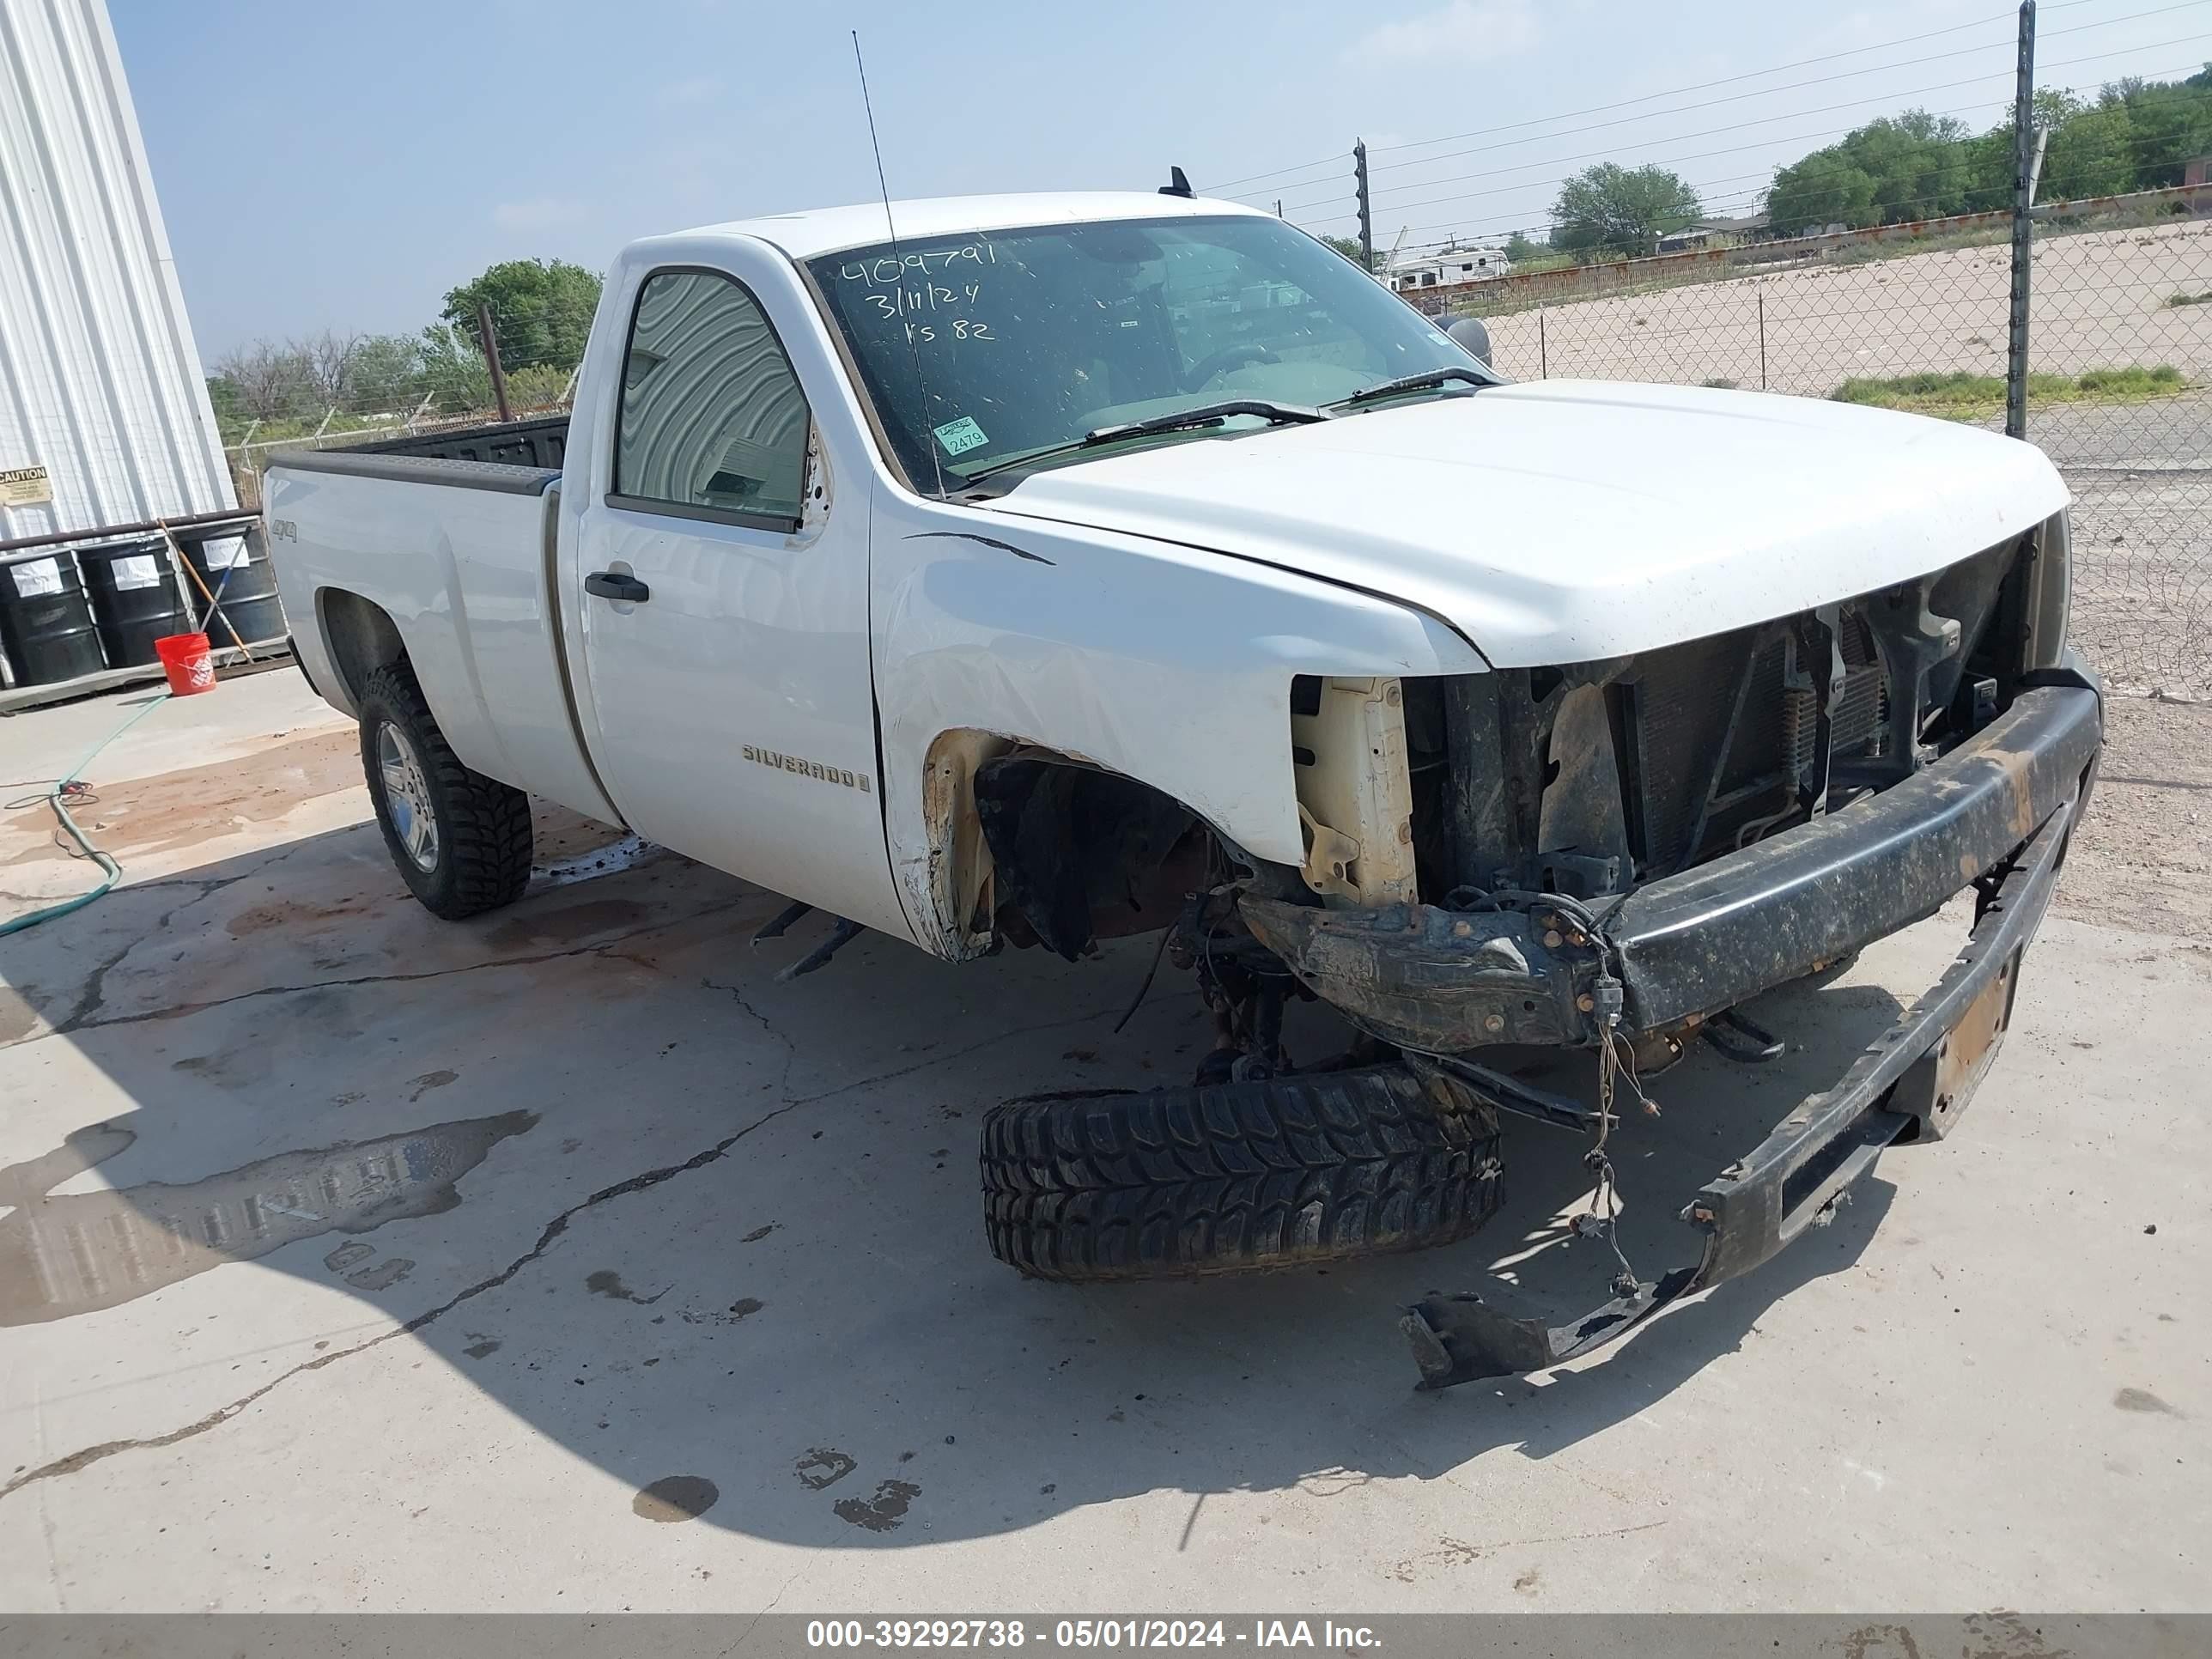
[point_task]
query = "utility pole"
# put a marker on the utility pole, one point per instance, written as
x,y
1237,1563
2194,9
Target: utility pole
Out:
x,y
1366,218
2025,162
491,358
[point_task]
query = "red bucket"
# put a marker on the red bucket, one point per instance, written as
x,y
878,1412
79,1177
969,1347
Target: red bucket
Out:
x,y
185,659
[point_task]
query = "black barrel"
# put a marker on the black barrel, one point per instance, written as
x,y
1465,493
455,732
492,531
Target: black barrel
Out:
x,y
135,598
45,623
250,601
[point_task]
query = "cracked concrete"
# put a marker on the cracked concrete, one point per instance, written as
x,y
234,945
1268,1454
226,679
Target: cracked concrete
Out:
x,y
787,1175
78,1460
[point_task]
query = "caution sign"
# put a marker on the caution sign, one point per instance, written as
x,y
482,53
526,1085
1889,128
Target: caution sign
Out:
x,y
25,486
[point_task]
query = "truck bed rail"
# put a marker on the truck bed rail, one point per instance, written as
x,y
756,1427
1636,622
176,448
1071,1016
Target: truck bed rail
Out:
x,y
423,469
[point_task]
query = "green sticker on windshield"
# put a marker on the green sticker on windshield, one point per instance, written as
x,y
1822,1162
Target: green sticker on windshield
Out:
x,y
960,436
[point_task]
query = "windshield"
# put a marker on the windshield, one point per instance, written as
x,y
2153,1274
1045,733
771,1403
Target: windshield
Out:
x,y
1027,339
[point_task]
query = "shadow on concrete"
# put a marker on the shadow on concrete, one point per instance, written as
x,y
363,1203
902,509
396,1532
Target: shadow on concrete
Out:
x,y
720,1237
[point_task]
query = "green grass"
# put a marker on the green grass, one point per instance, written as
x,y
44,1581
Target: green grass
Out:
x,y
1960,396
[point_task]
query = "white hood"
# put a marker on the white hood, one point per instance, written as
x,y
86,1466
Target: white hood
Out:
x,y
1564,520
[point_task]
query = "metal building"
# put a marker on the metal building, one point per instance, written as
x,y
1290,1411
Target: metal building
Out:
x,y
104,413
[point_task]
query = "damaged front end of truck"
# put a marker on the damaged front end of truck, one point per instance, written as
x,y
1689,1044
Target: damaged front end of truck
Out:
x,y
1612,857
1626,851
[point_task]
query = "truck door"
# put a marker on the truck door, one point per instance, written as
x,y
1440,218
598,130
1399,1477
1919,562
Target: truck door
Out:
x,y
723,609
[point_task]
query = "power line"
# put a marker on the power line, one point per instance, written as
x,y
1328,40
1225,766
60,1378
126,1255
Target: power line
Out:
x,y
1460,228
1824,109
1802,63
1556,161
1541,184
1223,188
1793,86
1945,169
1648,97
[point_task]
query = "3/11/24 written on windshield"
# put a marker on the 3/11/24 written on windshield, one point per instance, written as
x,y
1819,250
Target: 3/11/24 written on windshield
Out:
x,y
951,286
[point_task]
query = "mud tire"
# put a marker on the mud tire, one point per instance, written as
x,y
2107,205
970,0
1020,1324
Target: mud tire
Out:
x,y
1235,1177
482,859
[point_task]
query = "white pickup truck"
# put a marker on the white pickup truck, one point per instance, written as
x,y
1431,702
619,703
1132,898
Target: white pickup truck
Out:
x,y
1034,570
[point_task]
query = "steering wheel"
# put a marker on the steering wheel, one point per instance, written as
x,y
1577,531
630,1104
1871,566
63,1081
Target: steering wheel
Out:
x,y
1245,351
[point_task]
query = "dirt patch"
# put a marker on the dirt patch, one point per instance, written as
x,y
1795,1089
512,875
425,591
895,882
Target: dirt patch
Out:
x,y
288,913
183,809
2142,858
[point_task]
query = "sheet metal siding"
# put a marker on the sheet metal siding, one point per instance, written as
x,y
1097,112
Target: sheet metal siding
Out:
x,y
99,380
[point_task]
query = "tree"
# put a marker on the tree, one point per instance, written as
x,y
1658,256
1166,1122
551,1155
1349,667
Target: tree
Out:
x,y
2091,154
385,375
1823,189
271,382
541,311
2168,124
1609,208
1348,246
1520,249
230,415
454,371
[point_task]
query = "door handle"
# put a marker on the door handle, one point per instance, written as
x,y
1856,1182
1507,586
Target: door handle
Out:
x,y
609,586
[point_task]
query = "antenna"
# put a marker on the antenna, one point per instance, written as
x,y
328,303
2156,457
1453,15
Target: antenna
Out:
x,y
920,381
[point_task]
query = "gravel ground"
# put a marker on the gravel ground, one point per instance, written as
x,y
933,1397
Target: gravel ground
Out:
x,y
2142,861
2100,301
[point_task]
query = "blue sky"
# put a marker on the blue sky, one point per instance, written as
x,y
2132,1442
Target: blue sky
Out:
x,y
341,166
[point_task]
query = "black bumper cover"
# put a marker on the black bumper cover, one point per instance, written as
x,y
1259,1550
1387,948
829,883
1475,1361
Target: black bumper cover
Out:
x,y
1715,935
1996,812
1439,982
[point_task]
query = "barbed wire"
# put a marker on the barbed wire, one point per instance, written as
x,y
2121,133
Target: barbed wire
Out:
x,y
1833,193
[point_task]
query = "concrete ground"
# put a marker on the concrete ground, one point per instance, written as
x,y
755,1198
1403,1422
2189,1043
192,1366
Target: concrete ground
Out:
x,y
562,1259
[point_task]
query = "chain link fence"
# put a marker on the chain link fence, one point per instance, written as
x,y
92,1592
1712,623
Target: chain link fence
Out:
x,y
1914,317
312,421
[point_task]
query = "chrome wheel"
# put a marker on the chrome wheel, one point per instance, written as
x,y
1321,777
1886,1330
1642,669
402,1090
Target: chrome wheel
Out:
x,y
407,796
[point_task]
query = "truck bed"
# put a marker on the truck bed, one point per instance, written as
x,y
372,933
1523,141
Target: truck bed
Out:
x,y
541,442
460,554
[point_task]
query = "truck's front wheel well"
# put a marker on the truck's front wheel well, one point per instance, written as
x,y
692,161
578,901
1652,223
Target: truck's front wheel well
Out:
x,y
362,637
1081,854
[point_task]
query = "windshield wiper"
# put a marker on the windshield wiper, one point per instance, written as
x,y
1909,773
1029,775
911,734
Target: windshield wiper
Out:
x,y
1202,415
1424,381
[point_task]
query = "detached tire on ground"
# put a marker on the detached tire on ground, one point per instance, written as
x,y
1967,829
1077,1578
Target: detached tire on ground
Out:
x,y
461,840
1238,1177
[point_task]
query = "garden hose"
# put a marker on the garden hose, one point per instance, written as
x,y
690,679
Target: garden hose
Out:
x,y
57,796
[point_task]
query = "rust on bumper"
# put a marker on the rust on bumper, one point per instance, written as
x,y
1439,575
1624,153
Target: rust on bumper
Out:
x,y
1914,1081
1446,981
1994,813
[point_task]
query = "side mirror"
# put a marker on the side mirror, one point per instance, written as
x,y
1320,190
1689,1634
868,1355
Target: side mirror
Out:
x,y
1469,334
